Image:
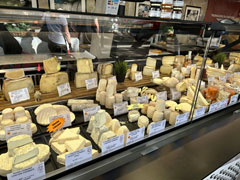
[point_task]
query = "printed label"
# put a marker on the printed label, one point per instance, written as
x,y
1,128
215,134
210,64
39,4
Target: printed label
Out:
x,y
89,112
143,100
155,74
120,108
91,83
112,144
138,76
18,129
157,127
64,89
19,95
182,119
135,136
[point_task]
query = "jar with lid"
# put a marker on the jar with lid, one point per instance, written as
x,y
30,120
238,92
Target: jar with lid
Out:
x,y
178,3
177,13
167,3
166,12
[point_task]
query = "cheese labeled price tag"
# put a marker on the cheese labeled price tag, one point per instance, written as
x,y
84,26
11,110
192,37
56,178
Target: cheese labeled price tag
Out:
x,y
182,119
18,129
162,95
143,100
78,157
223,103
135,136
157,127
35,172
155,74
19,95
89,112
214,107
59,122
223,79
63,89
199,112
216,65
234,99
175,94
120,108
138,76
112,144
91,83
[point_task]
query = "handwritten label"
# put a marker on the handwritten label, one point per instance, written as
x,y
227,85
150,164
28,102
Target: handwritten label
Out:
x,y
214,107
54,121
216,65
155,74
91,83
162,95
199,112
18,129
223,103
120,108
19,95
143,100
234,99
63,89
182,119
89,112
223,79
35,172
135,136
157,127
138,76
112,144
78,157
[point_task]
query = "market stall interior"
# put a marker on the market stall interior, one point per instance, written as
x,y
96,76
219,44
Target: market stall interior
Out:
x,y
79,90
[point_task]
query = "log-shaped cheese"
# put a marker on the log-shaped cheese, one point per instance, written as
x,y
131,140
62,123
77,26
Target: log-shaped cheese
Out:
x,y
157,116
172,117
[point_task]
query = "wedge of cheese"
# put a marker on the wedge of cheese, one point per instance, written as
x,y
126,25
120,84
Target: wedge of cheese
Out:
x,y
51,65
84,66
67,135
105,69
18,141
49,82
12,85
151,62
6,164
58,148
75,145
16,74
105,136
25,164
80,78
168,60
44,152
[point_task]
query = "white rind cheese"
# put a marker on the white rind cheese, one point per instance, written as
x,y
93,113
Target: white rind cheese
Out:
x,y
133,116
18,141
143,121
44,152
6,164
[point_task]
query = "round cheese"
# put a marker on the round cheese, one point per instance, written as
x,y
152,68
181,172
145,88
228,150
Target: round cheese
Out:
x,y
19,112
133,115
34,128
7,122
22,119
28,114
143,121
150,111
41,107
72,116
44,115
44,152
8,114
157,116
2,135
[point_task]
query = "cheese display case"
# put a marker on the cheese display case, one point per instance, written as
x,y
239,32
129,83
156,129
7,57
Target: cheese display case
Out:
x,y
81,92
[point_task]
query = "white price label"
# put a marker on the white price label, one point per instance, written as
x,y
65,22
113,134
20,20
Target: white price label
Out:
x,y
162,95
66,117
216,65
155,74
223,79
113,78
89,112
175,94
223,103
138,76
112,7
64,89
234,99
19,95
91,83
135,136
214,107
211,79
35,172
112,144
120,108
78,157
18,129
143,100
199,112
182,119
157,127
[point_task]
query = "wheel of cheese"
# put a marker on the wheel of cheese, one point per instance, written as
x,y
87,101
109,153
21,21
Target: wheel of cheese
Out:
x,y
34,128
22,119
8,114
157,116
7,122
102,98
44,115
160,105
44,152
144,109
72,116
19,112
133,115
143,121
41,107
6,164
150,111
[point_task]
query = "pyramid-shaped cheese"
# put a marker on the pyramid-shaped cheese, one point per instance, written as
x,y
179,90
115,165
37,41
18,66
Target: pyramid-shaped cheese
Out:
x,y
75,145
